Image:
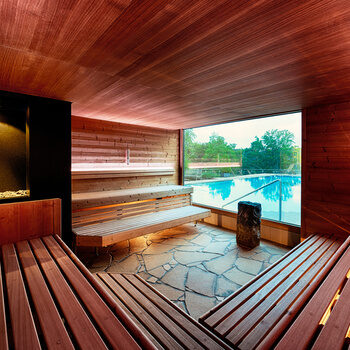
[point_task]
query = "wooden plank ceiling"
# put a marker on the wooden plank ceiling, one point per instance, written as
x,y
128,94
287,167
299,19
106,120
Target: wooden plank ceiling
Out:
x,y
177,63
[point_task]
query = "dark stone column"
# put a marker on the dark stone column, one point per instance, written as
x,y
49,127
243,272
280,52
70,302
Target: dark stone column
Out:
x,y
248,224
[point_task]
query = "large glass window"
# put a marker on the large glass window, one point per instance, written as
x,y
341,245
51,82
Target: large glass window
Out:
x,y
256,160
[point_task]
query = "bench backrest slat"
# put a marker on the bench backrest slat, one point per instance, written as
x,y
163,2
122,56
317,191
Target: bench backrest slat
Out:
x,y
22,323
50,320
308,321
109,324
3,325
123,210
333,333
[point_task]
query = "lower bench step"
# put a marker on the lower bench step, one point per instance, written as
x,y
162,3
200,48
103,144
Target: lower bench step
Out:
x,y
113,231
162,321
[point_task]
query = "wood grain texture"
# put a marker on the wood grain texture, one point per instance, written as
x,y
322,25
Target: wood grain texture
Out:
x,y
163,320
27,220
249,315
3,325
94,199
76,317
307,323
113,231
23,328
326,170
111,327
55,334
104,145
177,63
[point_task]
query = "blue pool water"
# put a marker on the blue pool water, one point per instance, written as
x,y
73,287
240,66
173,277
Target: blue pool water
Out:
x,y
218,193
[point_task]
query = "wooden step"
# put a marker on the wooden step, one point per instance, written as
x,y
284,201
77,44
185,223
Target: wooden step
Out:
x,y
113,231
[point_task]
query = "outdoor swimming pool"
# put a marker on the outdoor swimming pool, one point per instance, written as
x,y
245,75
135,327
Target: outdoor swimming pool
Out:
x,y
218,193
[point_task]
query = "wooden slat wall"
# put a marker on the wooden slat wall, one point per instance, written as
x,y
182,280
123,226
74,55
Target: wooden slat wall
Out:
x,y
326,170
28,220
101,143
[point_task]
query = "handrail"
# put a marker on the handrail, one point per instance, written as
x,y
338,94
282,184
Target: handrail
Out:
x,y
258,189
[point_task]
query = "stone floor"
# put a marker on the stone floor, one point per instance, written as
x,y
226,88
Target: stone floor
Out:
x,y
195,267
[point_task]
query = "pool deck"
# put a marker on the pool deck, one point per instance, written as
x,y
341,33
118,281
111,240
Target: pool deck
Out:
x,y
195,267
217,179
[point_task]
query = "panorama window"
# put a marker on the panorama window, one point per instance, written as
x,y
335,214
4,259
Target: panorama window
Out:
x,y
256,160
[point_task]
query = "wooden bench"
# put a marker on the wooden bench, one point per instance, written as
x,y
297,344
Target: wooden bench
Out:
x,y
104,218
167,325
48,299
324,322
267,303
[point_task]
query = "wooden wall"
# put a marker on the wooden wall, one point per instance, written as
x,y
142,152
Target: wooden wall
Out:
x,y
97,143
326,170
29,220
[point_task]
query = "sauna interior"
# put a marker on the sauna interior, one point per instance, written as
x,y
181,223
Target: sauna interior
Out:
x,y
132,131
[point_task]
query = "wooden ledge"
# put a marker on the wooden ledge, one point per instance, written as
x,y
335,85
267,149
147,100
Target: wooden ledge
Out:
x,y
120,172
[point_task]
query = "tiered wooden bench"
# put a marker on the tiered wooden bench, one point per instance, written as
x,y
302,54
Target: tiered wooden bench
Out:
x,y
167,325
47,297
104,218
259,313
49,300
324,323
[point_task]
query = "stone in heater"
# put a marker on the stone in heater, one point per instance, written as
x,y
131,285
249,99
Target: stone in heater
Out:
x,y
248,224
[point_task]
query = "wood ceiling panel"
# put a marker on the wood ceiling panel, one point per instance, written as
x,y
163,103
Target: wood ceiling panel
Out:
x,y
177,63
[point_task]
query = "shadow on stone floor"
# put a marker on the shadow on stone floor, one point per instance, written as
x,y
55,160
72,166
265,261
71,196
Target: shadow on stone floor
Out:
x,y
195,267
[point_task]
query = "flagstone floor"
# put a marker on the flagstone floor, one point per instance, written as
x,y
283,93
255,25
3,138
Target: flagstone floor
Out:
x,y
195,267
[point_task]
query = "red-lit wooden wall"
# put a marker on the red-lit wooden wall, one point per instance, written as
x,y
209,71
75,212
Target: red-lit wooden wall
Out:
x,y
326,170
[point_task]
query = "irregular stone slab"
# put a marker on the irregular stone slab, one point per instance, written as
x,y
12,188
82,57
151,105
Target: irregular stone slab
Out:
x,y
157,248
158,272
250,266
120,254
201,282
196,263
202,240
167,267
153,261
274,258
173,262
170,292
144,275
225,287
225,237
181,304
261,256
190,248
197,304
237,276
138,244
248,224
130,264
152,279
273,249
175,241
222,264
186,258
216,247
176,277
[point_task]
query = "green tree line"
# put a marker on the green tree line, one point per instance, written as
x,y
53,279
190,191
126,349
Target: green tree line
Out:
x,y
275,150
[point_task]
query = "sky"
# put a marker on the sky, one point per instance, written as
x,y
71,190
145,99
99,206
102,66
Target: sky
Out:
x,y
243,133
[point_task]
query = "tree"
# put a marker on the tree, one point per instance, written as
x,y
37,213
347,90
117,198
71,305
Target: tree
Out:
x,y
189,142
274,151
218,150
